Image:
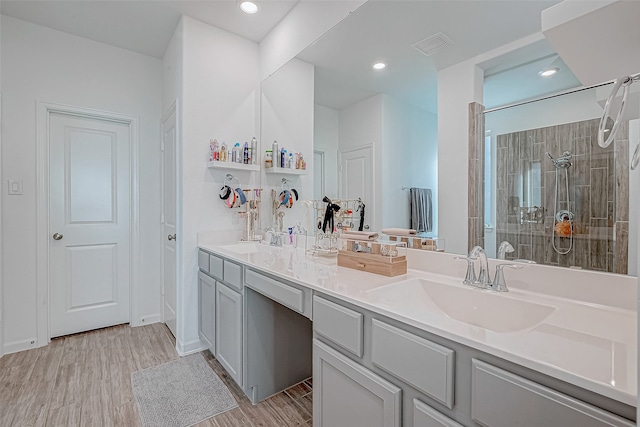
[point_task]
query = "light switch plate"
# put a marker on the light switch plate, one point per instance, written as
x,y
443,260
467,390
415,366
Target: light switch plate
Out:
x,y
15,187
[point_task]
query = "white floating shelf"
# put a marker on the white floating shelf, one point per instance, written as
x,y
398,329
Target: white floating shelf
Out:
x,y
231,165
286,171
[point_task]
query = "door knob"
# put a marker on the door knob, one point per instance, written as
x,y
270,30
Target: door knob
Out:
x,y
170,237
57,236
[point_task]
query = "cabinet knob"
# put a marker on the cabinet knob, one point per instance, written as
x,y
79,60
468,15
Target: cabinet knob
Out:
x,y
171,237
57,236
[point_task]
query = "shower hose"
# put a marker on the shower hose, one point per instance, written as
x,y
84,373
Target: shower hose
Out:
x,y
558,218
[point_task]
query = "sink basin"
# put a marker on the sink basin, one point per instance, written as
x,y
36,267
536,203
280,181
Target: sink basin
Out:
x,y
472,306
246,248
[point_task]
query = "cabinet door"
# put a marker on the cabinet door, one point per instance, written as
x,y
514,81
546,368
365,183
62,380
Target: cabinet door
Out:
x,y
229,331
206,310
346,394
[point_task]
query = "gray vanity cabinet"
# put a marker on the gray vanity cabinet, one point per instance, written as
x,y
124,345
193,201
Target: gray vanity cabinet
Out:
x,y
502,399
347,394
206,310
425,416
228,327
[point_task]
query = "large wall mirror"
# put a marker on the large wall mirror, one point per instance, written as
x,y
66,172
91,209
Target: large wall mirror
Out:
x,y
389,118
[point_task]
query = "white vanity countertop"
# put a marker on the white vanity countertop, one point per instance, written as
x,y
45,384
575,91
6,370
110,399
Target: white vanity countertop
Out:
x,y
590,345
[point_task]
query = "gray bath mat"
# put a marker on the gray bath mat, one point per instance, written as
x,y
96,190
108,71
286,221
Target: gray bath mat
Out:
x,y
180,393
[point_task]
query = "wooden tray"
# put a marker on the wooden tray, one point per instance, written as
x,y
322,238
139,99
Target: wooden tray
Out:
x,y
373,263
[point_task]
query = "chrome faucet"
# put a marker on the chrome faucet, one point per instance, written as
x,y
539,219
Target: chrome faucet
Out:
x,y
483,281
483,277
504,248
499,284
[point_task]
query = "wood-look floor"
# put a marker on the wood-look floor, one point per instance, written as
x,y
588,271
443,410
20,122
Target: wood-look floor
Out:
x,y
85,380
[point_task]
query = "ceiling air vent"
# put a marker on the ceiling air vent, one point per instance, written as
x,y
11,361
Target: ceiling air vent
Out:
x,y
433,44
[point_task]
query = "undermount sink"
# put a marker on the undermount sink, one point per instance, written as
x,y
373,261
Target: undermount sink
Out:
x,y
246,248
465,304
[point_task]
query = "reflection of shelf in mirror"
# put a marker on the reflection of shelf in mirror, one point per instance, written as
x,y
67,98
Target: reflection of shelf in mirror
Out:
x,y
286,171
231,165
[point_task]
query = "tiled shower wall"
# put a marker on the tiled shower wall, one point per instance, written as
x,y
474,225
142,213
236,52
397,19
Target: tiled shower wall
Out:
x,y
476,176
598,195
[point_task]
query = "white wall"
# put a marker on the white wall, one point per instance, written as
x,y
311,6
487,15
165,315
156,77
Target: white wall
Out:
x,y
325,138
361,125
564,109
172,70
458,85
409,159
287,117
219,100
1,269
304,24
43,64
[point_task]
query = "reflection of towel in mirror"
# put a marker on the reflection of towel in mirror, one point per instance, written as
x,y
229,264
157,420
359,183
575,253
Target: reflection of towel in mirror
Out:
x,y
421,216
399,232
359,235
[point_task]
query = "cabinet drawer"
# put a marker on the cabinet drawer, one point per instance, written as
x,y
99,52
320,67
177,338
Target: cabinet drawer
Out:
x,y
203,261
215,266
502,399
426,416
296,299
233,274
339,324
425,365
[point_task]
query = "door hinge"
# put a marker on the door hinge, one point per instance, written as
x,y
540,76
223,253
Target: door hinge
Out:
x,y
162,219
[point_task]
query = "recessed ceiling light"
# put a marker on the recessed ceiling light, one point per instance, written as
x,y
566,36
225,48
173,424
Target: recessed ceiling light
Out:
x,y
249,7
379,66
549,72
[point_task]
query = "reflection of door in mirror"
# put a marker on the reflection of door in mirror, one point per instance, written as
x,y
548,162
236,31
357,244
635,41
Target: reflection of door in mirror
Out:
x,y
357,177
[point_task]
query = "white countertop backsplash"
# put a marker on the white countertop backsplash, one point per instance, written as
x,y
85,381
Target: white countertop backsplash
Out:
x,y
590,339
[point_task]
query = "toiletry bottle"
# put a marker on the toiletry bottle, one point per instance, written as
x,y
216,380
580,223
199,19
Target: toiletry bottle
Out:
x,y
216,150
211,156
268,159
254,151
223,152
283,155
291,164
238,152
276,154
245,154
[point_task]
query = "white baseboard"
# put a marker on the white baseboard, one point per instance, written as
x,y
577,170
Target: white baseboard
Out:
x,y
16,346
185,349
148,319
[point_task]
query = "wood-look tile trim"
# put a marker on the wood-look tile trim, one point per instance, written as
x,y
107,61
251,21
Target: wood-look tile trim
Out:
x,y
476,176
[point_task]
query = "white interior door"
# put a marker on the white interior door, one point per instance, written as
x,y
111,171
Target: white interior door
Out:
x,y
169,220
357,178
89,223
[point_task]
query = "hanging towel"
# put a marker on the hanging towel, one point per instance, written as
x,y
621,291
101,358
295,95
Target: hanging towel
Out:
x,y
421,216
